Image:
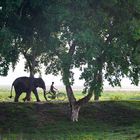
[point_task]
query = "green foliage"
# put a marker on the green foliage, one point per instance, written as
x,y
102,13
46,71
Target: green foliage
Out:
x,y
104,36
120,55
8,54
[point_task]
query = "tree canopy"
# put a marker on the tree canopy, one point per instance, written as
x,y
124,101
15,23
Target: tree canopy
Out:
x,y
7,52
28,22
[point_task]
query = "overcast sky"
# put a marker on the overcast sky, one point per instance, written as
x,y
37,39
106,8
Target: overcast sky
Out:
x,y
19,71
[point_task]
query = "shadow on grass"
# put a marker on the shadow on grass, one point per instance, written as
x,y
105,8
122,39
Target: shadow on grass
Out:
x,y
98,120
115,113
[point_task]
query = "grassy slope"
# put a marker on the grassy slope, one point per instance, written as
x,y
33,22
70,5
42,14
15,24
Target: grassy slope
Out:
x,y
104,120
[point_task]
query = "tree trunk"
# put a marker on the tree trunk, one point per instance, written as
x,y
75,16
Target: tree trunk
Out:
x,y
76,105
31,63
96,97
75,112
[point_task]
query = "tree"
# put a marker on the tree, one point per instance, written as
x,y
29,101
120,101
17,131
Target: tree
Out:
x,y
94,37
78,46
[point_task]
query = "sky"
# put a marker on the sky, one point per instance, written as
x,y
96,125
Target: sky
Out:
x,y
19,71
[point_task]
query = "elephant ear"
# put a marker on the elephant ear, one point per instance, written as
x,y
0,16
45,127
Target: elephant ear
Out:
x,y
38,82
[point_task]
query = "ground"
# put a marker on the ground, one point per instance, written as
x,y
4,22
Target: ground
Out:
x,y
110,120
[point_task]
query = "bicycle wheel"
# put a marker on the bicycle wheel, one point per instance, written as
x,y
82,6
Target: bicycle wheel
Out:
x,y
61,96
48,96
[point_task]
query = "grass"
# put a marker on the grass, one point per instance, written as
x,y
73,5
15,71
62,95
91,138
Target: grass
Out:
x,y
106,95
115,117
102,121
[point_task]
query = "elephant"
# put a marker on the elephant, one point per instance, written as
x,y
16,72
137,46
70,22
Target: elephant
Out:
x,y
27,84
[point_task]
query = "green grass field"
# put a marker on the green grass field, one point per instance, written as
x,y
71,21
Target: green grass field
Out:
x,y
106,95
115,117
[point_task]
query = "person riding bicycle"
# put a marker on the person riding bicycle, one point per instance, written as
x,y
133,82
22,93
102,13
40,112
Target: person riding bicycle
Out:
x,y
52,94
53,89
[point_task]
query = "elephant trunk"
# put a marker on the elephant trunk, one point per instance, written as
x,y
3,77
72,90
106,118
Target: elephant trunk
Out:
x,y
44,92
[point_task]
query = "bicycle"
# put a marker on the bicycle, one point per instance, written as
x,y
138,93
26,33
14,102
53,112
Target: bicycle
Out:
x,y
49,96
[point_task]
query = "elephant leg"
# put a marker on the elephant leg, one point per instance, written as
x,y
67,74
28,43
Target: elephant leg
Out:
x,y
28,96
24,99
17,96
36,95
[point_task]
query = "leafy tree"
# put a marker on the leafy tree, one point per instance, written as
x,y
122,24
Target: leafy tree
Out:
x,y
8,55
95,36
78,46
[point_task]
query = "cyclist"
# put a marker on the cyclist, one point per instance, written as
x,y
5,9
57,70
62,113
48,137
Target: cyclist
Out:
x,y
53,89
